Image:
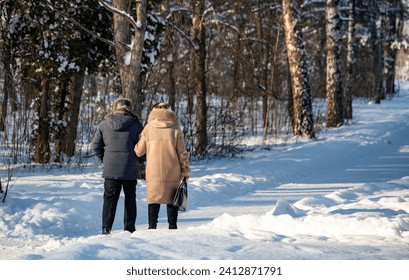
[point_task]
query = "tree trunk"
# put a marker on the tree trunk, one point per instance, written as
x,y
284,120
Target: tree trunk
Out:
x,y
377,58
266,118
199,72
272,81
130,68
170,54
260,68
303,123
4,103
350,60
60,110
75,102
7,87
381,45
42,147
390,53
335,112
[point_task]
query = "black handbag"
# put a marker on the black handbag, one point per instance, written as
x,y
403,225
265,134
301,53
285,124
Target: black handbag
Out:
x,y
141,168
180,199
141,171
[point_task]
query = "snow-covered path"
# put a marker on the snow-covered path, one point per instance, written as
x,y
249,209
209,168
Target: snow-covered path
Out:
x,y
347,157
342,196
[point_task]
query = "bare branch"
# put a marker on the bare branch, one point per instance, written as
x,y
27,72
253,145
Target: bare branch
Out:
x,y
182,33
135,24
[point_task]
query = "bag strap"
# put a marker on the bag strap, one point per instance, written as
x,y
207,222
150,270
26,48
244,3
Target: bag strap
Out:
x,y
184,185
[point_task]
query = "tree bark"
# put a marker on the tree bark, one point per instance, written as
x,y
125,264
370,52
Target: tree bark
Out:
x,y
130,67
348,113
390,53
335,110
75,102
170,57
377,48
303,123
4,103
7,88
42,152
199,72
60,128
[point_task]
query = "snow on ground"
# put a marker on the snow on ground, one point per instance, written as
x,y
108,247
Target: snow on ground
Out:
x,y
344,196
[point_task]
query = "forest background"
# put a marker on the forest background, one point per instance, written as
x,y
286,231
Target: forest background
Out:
x,y
229,69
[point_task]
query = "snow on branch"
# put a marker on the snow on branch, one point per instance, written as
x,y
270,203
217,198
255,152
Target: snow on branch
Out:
x,y
175,10
135,24
92,33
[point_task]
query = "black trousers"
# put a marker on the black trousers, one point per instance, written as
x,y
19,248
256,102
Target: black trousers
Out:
x,y
112,192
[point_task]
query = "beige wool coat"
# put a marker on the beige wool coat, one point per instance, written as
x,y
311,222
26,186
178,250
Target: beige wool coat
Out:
x,y
166,157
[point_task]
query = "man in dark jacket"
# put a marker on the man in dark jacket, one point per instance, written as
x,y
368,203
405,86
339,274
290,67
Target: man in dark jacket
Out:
x,y
114,143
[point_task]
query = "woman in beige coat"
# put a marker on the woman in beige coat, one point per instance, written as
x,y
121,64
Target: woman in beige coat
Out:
x,y
166,162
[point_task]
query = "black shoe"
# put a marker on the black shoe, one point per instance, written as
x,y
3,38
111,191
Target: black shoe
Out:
x,y
130,230
152,227
106,231
173,226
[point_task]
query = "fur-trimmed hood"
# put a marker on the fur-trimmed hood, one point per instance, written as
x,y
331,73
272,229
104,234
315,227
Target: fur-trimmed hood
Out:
x,y
120,121
162,118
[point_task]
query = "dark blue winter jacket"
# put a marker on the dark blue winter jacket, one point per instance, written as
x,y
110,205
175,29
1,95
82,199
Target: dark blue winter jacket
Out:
x,y
114,143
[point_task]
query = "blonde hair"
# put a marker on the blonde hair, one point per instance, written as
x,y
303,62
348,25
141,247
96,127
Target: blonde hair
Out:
x,y
122,103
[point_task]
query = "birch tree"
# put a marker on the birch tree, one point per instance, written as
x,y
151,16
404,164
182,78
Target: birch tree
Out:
x,y
303,123
335,112
350,60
